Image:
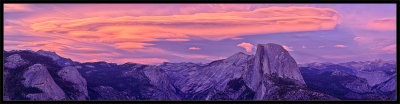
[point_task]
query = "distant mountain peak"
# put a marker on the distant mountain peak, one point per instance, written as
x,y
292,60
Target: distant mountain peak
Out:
x,y
50,54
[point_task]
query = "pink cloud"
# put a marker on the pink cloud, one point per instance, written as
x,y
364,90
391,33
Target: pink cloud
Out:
x,y
340,46
17,8
177,40
382,24
287,48
191,9
8,30
194,48
248,46
357,38
390,49
131,45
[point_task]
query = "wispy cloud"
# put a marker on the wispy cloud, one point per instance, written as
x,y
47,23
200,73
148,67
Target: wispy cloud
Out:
x,y
390,49
287,48
194,48
17,8
340,46
382,24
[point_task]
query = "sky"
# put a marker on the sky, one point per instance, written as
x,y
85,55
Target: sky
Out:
x,y
201,33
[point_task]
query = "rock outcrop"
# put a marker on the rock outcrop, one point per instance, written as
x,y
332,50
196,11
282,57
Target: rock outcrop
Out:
x,y
37,76
14,61
71,74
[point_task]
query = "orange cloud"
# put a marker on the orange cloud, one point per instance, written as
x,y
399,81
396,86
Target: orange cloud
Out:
x,y
131,45
177,40
16,8
212,26
134,33
194,48
382,24
287,48
48,45
247,46
340,46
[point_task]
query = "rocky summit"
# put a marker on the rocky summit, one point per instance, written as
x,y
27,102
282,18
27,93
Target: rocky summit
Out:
x,y
270,74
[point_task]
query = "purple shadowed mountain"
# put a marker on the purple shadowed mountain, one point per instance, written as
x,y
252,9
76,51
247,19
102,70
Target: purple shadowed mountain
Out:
x,y
270,74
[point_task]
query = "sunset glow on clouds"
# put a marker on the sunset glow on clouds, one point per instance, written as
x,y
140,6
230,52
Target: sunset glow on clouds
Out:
x,y
287,48
16,8
194,48
340,46
382,24
147,33
390,48
249,47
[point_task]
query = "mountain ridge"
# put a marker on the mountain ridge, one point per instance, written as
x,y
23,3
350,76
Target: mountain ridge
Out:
x,y
232,78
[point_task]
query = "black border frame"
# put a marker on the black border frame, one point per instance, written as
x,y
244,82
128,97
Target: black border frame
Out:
x,y
207,2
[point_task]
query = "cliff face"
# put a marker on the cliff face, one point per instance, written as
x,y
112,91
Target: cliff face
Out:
x,y
271,62
274,60
37,76
79,84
